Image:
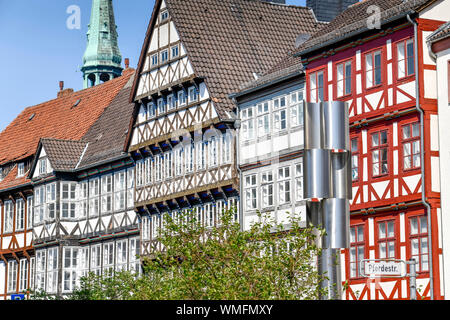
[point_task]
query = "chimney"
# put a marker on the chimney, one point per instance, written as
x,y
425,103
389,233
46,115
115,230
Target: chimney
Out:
x,y
63,92
127,63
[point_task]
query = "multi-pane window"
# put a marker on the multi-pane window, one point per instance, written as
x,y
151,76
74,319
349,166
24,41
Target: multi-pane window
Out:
x,y
83,192
284,185
405,58
181,98
20,214
107,189
411,146
386,240
251,192
344,78
355,159
373,69
41,264
70,269
267,189
316,84
52,270
9,216
164,56
42,163
200,150
161,106
419,241
299,182
145,222
32,272
279,114
50,208
248,124
296,104
96,259
171,102
130,188
226,148
213,154
164,15
179,154
12,276
23,275
121,255
134,256
193,96
119,190
83,264
379,153
189,157
151,110
94,201
108,257
263,118
154,59
20,169
68,199
30,212
175,51
357,245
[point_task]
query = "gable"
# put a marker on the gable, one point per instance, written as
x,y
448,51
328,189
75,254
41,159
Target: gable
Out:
x,y
165,61
42,156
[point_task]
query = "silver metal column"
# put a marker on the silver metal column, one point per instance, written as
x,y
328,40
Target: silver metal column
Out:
x,y
328,185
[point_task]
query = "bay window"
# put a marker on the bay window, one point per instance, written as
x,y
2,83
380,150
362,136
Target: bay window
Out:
x,y
119,190
107,190
70,276
263,119
52,270
41,268
279,114
96,259
94,202
296,107
248,124
130,188
83,192
121,255
108,258
68,199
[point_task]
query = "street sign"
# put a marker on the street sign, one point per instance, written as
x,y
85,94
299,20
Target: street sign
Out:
x,y
379,268
17,297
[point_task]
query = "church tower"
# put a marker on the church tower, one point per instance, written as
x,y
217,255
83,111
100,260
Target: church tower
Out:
x,y
102,58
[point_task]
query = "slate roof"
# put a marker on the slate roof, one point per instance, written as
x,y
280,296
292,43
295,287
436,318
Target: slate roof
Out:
x,y
356,18
440,33
228,40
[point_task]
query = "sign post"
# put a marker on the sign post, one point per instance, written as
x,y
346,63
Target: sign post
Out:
x,y
391,268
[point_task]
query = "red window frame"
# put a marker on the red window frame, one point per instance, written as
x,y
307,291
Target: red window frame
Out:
x,y
314,93
380,68
410,141
379,148
358,245
344,79
405,58
387,239
420,237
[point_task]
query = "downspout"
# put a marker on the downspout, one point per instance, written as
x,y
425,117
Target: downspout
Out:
x,y
422,154
237,127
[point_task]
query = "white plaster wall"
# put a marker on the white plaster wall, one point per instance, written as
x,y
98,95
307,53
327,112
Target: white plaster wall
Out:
x,y
437,11
444,147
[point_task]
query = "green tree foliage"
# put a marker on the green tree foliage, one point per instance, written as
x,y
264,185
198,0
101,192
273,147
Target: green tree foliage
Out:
x,y
219,263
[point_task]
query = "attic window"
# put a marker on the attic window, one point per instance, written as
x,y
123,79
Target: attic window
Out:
x,y
20,169
31,117
76,103
164,15
1,174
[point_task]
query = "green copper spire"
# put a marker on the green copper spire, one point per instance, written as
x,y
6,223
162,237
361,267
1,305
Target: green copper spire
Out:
x,y
102,58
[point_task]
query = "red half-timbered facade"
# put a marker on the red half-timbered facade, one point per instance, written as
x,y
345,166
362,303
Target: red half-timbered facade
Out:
x,y
374,70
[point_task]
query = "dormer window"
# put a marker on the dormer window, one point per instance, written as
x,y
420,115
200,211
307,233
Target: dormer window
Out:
x,y
20,169
42,166
164,15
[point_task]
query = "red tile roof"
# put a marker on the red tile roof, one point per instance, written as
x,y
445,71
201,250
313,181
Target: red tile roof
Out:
x,y
58,119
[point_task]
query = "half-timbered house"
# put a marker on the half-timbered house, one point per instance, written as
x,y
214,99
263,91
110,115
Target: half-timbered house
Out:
x,y
84,219
69,117
195,54
439,50
271,144
374,56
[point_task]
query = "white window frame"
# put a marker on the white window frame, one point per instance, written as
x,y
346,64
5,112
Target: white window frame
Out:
x,y
94,197
248,124
251,192
296,108
267,189
12,276
154,59
175,51
106,194
70,269
181,98
52,270
23,275
9,216
68,200
263,118
20,214
20,169
284,185
120,189
280,116
298,170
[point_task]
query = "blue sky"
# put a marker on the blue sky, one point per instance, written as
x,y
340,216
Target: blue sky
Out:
x,y
38,50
